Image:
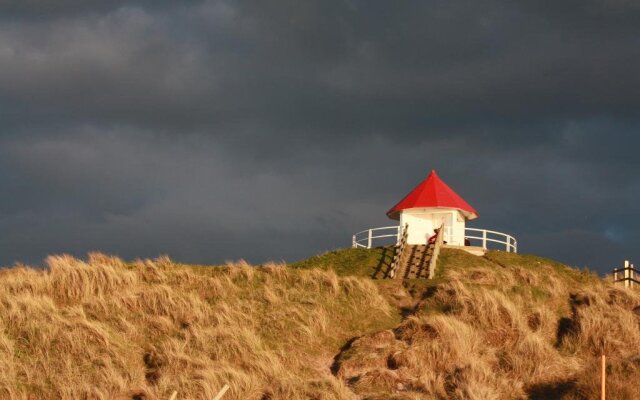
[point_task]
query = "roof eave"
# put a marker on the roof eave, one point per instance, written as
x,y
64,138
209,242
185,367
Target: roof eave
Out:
x,y
469,215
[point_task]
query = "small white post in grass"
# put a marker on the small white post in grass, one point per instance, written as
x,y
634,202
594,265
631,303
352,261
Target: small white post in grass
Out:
x,y
173,395
369,240
221,392
484,239
603,378
353,242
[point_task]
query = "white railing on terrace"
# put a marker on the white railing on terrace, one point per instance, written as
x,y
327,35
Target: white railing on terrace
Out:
x,y
376,237
485,236
388,235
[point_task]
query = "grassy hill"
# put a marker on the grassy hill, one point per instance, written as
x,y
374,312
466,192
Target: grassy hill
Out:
x,y
503,326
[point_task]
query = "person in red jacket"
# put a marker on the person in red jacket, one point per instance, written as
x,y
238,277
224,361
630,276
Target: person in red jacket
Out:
x,y
434,237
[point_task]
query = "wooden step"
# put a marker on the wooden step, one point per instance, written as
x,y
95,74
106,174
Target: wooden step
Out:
x,y
416,261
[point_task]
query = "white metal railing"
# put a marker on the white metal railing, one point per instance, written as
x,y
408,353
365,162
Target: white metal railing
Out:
x,y
486,236
481,237
380,236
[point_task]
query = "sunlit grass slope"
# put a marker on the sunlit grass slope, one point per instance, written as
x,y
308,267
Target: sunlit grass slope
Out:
x,y
503,326
103,329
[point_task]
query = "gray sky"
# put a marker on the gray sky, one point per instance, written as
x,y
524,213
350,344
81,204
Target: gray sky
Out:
x,y
216,130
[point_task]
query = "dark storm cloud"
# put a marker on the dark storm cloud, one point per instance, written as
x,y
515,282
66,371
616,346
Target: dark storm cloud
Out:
x,y
43,9
223,129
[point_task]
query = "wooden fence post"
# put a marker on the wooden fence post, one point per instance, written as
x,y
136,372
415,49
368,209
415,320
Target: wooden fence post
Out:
x,y
626,273
221,392
603,378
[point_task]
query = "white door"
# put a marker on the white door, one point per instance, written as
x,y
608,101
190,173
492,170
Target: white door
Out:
x,y
445,219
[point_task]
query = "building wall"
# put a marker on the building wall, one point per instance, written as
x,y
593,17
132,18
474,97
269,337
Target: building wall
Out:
x,y
422,222
459,223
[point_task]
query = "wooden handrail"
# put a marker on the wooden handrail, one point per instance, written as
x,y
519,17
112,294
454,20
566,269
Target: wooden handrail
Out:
x,y
436,252
402,243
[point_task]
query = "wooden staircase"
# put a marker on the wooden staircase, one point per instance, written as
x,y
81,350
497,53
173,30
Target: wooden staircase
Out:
x,y
415,261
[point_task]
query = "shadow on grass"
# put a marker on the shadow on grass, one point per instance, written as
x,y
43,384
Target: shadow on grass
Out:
x,y
554,390
335,365
384,264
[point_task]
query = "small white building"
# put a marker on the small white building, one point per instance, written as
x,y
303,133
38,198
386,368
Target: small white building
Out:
x,y
430,205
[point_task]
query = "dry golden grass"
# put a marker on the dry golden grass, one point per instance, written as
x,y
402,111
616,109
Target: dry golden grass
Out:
x,y
503,327
103,329
500,327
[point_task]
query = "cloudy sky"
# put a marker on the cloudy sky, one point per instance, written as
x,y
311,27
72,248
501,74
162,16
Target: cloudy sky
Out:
x,y
218,130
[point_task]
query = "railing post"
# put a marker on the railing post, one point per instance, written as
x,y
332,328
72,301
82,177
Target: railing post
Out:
x,y
484,239
353,241
369,240
626,273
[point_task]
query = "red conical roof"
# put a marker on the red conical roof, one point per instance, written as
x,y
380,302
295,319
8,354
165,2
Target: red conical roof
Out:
x,y
432,193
